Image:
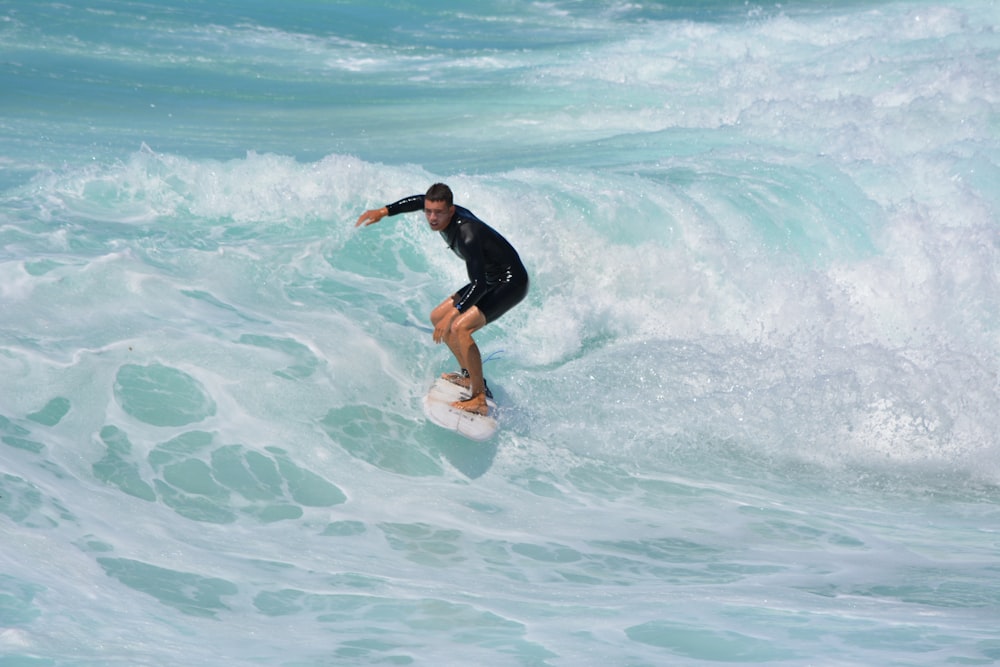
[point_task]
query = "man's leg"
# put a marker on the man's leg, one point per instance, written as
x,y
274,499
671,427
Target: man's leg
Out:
x,y
464,348
443,309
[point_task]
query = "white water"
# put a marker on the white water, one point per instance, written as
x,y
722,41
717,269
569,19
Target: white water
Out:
x,y
750,404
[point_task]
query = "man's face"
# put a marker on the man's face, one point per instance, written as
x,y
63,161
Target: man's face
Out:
x,y
438,214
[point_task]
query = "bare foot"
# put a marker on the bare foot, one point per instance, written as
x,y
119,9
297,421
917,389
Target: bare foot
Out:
x,y
476,404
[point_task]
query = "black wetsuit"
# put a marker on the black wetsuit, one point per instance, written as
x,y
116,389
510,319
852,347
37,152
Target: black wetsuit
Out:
x,y
497,278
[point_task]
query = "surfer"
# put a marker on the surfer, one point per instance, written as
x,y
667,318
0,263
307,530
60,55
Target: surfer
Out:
x,y
498,281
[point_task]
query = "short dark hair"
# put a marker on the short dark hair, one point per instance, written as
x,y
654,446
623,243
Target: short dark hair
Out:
x,y
440,192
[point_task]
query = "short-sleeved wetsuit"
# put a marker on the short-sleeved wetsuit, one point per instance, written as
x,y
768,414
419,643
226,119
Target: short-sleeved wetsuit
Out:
x,y
498,280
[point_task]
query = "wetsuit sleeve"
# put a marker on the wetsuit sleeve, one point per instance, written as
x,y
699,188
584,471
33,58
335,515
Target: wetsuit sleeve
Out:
x,y
475,264
406,205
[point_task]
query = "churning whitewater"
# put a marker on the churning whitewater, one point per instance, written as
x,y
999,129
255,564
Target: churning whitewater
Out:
x,y
748,410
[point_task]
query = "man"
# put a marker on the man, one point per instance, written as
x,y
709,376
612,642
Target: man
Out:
x,y
498,281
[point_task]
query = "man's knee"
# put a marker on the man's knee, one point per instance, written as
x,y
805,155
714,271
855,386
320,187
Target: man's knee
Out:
x,y
462,328
438,313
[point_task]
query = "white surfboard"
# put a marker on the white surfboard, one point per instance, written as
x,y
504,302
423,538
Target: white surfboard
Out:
x,y
437,407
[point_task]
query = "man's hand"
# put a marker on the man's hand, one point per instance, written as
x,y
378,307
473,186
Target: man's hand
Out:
x,y
371,216
443,326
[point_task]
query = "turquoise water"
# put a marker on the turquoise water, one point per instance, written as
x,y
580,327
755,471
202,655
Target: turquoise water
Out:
x,y
749,408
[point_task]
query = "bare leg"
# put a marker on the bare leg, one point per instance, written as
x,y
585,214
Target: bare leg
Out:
x,y
474,364
459,340
467,352
444,309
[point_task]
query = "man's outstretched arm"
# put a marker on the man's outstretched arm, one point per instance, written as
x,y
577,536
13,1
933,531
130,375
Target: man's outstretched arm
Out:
x,y
404,205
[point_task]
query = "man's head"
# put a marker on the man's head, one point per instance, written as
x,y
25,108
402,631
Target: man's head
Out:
x,y
439,206
440,192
